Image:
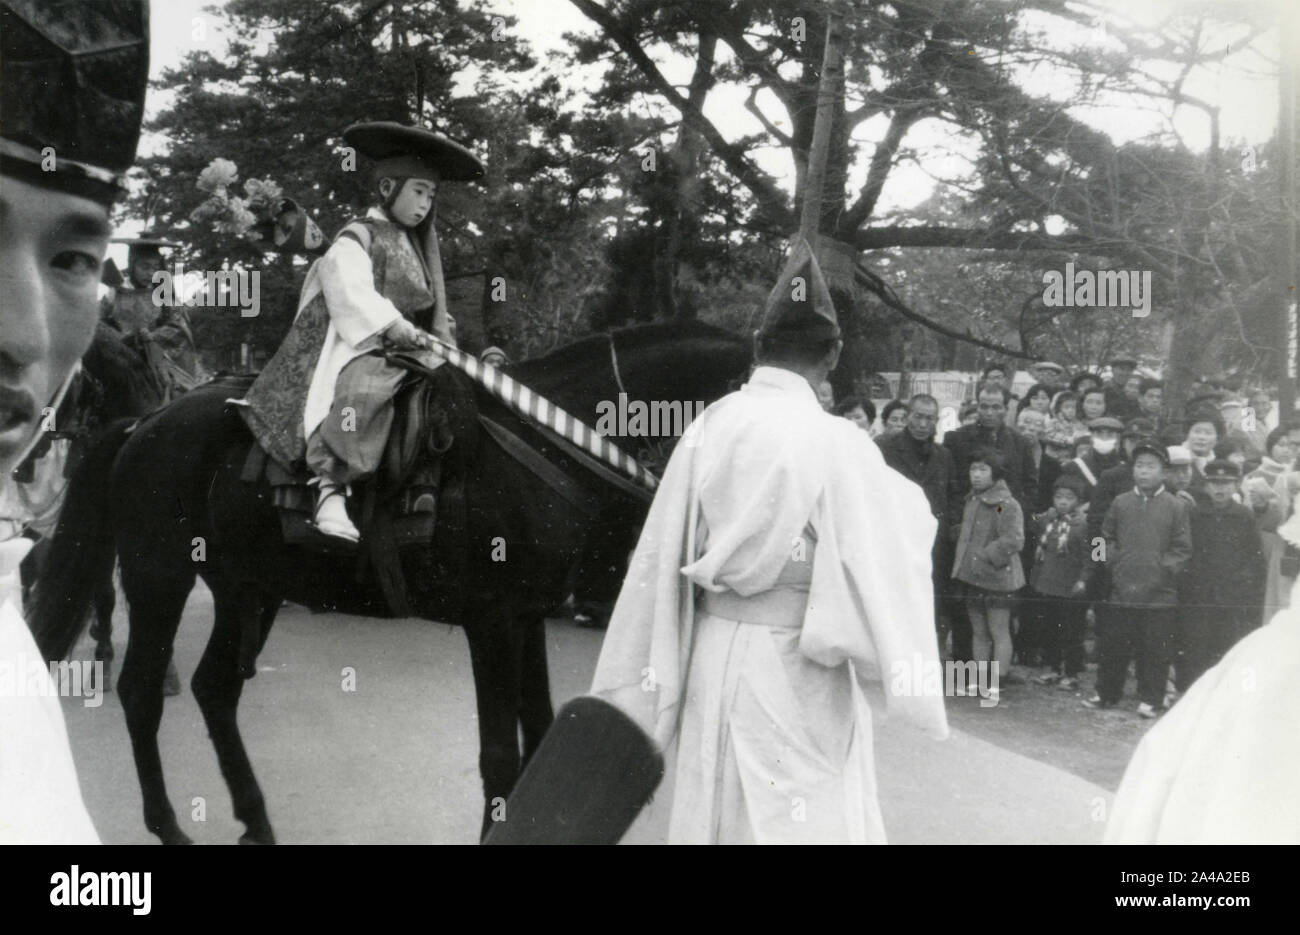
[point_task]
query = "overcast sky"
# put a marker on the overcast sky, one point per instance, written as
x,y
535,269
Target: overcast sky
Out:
x,y
1248,101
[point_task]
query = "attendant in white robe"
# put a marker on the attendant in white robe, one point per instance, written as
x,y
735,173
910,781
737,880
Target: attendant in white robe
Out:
x,y
58,180
1221,766
781,582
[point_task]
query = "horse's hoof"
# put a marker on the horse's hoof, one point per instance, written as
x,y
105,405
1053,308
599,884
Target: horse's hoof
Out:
x,y
265,837
175,836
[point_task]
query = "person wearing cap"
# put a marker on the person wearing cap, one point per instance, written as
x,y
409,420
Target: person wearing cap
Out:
x,y
1118,401
493,356
1049,373
1223,590
324,400
1147,533
790,565
160,334
1103,454
1056,608
72,86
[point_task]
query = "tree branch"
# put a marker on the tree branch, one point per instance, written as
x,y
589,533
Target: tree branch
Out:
x,y
770,198
879,288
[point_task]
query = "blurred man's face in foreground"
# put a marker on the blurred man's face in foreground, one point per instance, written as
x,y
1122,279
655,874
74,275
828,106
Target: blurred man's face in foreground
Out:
x,y
52,245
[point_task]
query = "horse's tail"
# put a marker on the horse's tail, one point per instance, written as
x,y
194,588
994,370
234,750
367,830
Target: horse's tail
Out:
x,y
81,551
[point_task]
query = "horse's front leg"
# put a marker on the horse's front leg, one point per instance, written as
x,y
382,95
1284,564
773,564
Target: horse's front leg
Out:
x,y
495,650
535,711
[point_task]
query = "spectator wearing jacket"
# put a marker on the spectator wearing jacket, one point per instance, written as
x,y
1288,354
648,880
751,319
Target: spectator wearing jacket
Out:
x,y
1057,583
1223,587
990,432
1148,542
988,559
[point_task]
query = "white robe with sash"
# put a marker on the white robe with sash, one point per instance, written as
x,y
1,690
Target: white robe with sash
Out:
x,y
766,729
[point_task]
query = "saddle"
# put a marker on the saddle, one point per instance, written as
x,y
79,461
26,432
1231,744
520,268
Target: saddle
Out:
x,y
396,510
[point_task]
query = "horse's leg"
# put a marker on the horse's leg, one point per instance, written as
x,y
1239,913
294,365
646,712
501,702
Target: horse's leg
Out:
x,y
156,599
535,711
494,651
105,601
217,687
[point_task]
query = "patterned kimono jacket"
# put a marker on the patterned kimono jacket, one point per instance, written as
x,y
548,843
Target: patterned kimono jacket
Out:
x,y
371,276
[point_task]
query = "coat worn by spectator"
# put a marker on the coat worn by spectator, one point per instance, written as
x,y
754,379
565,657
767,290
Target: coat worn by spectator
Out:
x,y
1156,538
1021,475
1062,552
1227,564
992,535
924,463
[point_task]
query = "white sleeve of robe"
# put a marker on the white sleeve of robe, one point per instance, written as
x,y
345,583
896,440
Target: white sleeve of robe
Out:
x,y
1221,766
40,799
357,311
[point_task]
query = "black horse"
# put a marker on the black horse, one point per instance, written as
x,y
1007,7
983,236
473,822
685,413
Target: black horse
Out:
x,y
169,494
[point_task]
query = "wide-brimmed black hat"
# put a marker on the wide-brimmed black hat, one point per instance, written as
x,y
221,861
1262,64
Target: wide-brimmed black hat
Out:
x,y
402,150
146,240
72,86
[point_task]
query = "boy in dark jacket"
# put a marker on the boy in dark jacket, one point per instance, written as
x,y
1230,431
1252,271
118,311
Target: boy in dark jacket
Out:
x,y
1058,583
1148,542
1223,587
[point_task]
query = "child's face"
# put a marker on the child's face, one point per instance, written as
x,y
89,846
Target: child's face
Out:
x,y
981,476
1220,490
1178,477
1148,471
1065,500
413,202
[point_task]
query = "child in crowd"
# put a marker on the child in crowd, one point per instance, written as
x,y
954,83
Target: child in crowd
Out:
x,y
1147,543
1058,584
1224,584
988,561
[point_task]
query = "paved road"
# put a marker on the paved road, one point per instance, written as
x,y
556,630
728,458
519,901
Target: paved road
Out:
x,y
395,761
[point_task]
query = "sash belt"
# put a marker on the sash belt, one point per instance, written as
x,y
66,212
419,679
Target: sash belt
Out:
x,y
779,607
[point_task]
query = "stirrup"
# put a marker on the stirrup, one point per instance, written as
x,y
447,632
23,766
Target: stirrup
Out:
x,y
335,522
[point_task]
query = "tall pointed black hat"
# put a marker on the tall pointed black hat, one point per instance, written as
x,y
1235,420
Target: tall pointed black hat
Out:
x,y
799,309
72,85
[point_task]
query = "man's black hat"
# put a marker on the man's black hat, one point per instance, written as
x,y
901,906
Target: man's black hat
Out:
x,y
1151,448
72,85
413,151
1123,362
1140,428
799,309
146,241
1222,469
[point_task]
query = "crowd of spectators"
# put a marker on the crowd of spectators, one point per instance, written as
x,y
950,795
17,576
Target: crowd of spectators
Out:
x,y
1094,505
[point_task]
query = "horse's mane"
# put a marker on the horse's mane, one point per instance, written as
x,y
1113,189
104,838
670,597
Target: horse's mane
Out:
x,y
629,338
